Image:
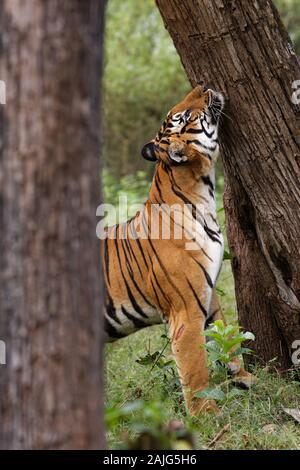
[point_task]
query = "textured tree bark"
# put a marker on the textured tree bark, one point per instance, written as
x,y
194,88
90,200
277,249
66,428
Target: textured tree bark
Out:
x,y
242,49
50,288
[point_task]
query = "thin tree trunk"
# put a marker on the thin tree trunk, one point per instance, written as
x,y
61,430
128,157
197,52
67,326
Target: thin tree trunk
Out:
x,y
242,49
50,286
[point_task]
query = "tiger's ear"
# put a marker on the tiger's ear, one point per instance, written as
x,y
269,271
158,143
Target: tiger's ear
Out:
x,y
148,152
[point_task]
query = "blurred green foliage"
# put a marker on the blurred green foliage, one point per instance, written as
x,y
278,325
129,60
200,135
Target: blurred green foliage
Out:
x,y
126,194
144,78
134,187
290,13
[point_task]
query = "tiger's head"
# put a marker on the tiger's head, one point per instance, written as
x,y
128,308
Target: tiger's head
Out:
x,y
189,134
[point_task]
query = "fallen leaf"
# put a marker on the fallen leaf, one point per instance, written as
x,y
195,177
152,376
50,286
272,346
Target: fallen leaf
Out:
x,y
294,413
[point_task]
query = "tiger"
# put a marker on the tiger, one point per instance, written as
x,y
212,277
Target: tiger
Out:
x,y
153,279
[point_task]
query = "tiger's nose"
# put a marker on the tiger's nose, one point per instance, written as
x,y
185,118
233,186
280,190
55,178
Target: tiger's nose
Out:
x,y
205,86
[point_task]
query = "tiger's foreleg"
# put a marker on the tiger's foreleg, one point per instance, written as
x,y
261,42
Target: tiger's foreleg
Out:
x,y
240,375
186,332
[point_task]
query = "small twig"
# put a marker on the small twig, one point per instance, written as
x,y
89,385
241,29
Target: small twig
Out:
x,y
126,399
218,436
160,355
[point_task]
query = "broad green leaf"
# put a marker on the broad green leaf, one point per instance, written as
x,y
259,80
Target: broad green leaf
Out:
x,y
220,325
231,330
212,334
249,336
211,394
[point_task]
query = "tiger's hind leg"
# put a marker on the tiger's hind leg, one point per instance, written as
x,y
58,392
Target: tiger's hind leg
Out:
x,y
240,376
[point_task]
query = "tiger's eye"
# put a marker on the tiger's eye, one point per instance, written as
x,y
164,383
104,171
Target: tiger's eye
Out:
x,y
187,114
177,116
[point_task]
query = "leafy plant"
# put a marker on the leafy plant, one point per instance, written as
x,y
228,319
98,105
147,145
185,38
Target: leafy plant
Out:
x,y
164,367
225,345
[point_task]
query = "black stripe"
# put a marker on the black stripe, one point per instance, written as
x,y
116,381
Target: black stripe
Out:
x,y
145,224
110,309
206,180
131,275
158,189
207,256
136,321
184,128
194,141
208,134
166,273
197,299
208,278
135,258
195,131
112,331
142,252
214,236
127,244
208,147
157,175
210,319
138,242
170,125
161,290
156,296
135,305
127,261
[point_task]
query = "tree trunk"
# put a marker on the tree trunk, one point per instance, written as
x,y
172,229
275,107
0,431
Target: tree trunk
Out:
x,y
50,286
242,49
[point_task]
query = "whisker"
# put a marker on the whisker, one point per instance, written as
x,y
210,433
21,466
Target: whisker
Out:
x,y
226,115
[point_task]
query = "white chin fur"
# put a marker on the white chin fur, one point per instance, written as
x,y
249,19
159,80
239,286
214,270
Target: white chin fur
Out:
x,y
216,153
219,96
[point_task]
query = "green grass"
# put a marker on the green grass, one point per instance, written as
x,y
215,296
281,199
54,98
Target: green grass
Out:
x,y
247,415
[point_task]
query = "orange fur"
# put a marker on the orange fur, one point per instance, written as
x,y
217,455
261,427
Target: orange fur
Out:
x,y
151,280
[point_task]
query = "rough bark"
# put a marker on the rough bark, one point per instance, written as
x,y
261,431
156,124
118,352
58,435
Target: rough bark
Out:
x,y
242,49
50,288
